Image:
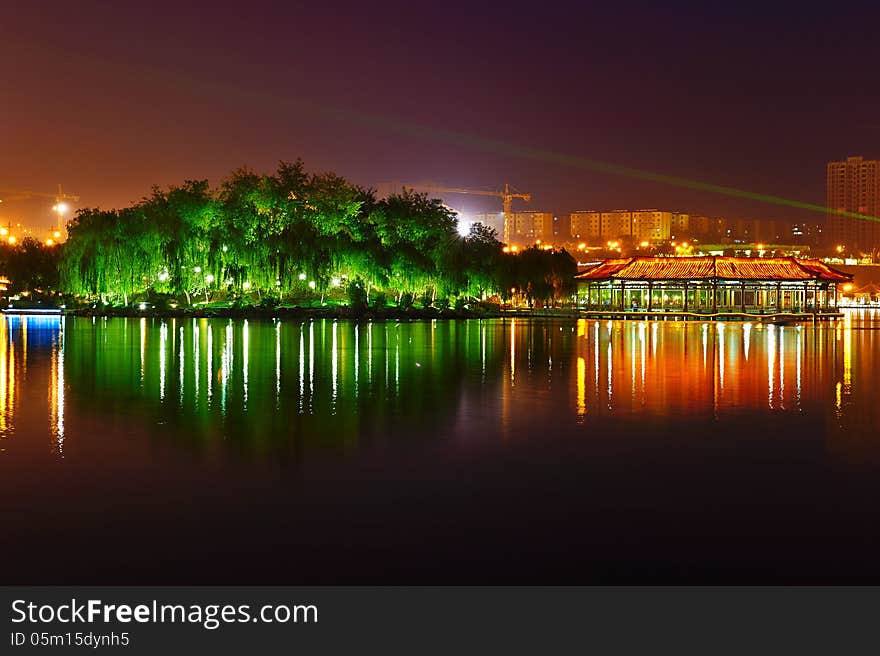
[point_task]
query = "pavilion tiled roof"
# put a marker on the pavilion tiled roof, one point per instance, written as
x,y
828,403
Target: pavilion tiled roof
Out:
x,y
825,272
713,268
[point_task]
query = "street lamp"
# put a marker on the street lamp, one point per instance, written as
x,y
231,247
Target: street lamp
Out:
x,y
208,280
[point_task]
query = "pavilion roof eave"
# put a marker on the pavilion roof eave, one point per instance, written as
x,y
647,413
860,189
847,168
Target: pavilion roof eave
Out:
x,y
702,280
714,269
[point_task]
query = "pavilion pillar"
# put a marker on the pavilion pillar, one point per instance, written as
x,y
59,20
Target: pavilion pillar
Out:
x,y
622,295
742,297
685,296
650,296
715,296
778,296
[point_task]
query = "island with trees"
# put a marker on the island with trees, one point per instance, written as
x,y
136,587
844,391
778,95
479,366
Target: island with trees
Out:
x,y
292,241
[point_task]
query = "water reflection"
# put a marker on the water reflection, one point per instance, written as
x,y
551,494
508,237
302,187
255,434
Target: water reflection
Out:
x,y
32,360
323,380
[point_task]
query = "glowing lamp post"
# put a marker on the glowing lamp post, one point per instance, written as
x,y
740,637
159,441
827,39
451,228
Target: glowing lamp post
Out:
x,y
208,280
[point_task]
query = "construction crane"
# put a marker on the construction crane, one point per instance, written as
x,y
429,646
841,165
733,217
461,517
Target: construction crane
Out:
x,y
506,197
60,207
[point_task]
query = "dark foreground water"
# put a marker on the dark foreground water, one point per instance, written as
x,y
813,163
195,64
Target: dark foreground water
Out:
x,y
215,451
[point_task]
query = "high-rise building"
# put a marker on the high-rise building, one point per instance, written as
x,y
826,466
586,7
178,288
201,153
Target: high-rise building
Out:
x,y
853,186
525,228
494,220
680,225
650,225
639,225
585,225
707,228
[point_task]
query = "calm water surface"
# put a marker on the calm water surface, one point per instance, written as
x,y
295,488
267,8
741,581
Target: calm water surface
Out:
x,y
216,451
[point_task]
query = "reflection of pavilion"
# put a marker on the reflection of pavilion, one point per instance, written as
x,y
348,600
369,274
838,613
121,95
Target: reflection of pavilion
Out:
x,y
708,286
705,369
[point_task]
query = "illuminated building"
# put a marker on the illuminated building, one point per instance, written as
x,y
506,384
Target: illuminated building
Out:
x,y
641,225
494,220
524,228
707,228
710,285
586,225
679,224
853,186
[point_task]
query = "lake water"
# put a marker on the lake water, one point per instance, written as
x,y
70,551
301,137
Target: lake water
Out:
x,y
513,451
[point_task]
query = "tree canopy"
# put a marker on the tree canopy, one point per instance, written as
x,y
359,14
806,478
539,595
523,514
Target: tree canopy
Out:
x,y
293,233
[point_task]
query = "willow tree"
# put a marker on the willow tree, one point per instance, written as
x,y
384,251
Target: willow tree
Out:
x,y
416,230
480,259
288,231
180,221
108,253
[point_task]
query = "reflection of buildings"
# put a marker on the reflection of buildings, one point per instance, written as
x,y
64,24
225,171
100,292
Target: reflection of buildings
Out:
x,y
7,379
289,386
697,370
26,342
56,394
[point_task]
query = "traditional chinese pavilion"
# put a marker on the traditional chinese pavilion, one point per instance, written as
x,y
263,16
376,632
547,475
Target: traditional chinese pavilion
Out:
x,y
710,285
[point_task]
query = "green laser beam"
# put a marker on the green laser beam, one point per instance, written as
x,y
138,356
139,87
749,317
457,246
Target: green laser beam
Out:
x,y
583,163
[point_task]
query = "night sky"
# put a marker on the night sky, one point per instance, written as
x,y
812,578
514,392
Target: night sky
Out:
x,y
110,98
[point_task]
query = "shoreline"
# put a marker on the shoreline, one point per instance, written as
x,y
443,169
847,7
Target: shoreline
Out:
x,y
342,313
451,315
432,314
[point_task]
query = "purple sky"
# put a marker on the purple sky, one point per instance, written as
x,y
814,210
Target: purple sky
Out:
x,y
110,98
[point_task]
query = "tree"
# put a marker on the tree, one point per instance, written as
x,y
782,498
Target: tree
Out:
x,y
291,232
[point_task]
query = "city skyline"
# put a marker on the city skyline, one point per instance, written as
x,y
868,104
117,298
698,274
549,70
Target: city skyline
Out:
x,y
108,114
